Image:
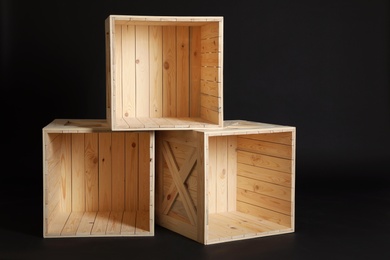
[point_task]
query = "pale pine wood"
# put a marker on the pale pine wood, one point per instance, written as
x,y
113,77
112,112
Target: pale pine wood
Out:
x,y
210,102
222,175
144,172
78,180
125,77
232,172
263,174
169,71
131,175
118,171
182,56
267,148
142,71
128,224
85,187
91,172
195,63
100,225
86,224
162,62
156,63
72,224
247,183
269,162
210,88
105,172
212,175
264,188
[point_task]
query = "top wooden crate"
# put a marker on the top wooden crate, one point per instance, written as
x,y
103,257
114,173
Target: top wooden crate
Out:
x,y
164,72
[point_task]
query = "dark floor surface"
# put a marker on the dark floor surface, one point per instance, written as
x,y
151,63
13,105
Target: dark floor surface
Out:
x,y
335,219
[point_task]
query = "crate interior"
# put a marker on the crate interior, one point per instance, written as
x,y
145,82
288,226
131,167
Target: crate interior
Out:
x,y
97,184
164,74
249,186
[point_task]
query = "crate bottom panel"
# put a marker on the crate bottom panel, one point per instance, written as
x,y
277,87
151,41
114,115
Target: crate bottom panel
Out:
x,y
101,223
165,123
235,225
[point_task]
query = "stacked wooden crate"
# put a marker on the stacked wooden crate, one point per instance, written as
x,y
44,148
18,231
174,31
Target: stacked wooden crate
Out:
x,y
165,149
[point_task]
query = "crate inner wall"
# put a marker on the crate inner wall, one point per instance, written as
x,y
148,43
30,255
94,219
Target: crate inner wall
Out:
x,y
249,185
98,184
164,75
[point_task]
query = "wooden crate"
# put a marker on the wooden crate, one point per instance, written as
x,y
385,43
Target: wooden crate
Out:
x,y
97,182
164,72
226,184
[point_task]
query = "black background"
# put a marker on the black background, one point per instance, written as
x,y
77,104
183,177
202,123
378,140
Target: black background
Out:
x,y
321,66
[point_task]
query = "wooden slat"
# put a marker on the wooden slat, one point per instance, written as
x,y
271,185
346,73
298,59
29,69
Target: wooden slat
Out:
x,y
114,223
132,122
188,204
118,171
169,71
100,225
269,162
57,224
105,164
78,180
66,174
156,63
182,73
222,181
86,224
210,74
210,59
72,224
195,63
210,102
91,172
144,171
264,188
263,174
267,148
128,223
131,178
269,215
210,45
142,222
209,115
263,201
232,172
280,138
212,175
125,77
201,189
116,71
210,88
142,71
210,30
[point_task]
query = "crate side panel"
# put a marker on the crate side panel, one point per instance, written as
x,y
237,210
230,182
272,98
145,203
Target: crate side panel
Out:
x,y
182,56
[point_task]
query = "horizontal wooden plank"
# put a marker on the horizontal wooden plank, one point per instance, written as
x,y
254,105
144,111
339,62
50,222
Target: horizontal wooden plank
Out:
x,y
280,138
263,201
210,45
210,74
269,162
210,30
263,174
210,88
262,147
273,216
264,188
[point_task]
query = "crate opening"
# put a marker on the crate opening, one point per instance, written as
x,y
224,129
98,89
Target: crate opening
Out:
x,y
249,186
164,74
97,184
